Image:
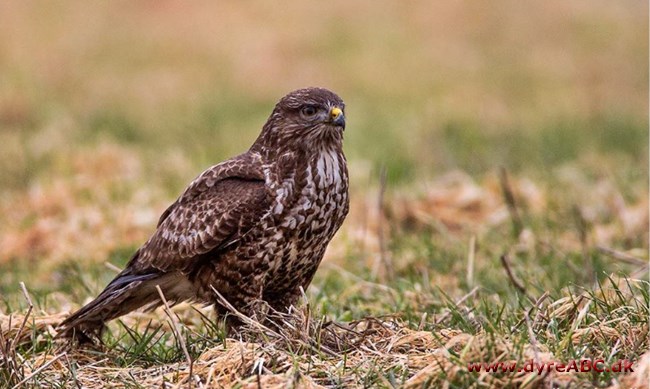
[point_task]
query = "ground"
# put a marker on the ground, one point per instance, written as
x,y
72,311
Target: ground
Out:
x,y
499,187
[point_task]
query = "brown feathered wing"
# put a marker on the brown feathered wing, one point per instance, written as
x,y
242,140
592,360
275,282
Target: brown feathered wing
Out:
x,y
214,212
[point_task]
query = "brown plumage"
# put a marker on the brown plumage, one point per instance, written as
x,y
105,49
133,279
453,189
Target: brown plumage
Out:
x,y
254,227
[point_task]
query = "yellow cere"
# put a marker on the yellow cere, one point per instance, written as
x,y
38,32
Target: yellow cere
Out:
x,y
335,112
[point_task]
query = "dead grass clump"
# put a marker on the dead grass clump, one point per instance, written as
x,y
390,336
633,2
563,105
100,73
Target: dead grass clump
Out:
x,y
454,202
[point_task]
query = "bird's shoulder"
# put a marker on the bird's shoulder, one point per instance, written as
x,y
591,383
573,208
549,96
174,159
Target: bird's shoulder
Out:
x,y
235,174
219,207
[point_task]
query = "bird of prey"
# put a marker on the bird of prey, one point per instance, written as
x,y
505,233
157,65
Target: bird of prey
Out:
x,y
254,228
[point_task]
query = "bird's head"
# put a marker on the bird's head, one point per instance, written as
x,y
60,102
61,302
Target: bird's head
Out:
x,y
309,117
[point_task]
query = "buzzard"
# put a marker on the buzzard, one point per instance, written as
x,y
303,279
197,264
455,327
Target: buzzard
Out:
x,y
254,228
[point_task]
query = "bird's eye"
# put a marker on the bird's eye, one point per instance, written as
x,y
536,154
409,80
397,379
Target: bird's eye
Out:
x,y
309,111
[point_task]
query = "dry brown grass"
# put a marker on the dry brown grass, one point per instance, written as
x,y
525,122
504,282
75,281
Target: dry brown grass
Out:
x,y
305,352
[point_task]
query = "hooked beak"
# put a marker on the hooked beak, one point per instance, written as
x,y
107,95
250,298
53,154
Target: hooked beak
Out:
x,y
336,117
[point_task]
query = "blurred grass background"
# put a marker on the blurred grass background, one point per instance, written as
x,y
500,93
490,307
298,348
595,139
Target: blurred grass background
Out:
x,y
429,87
109,109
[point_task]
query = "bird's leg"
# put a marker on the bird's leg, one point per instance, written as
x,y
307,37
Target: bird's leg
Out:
x,y
247,302
282,302
256,310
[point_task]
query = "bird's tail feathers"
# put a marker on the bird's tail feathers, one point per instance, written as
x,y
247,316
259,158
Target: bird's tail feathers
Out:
x,y
126,293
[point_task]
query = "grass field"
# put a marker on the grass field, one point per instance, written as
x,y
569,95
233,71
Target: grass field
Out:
x,y
512,224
